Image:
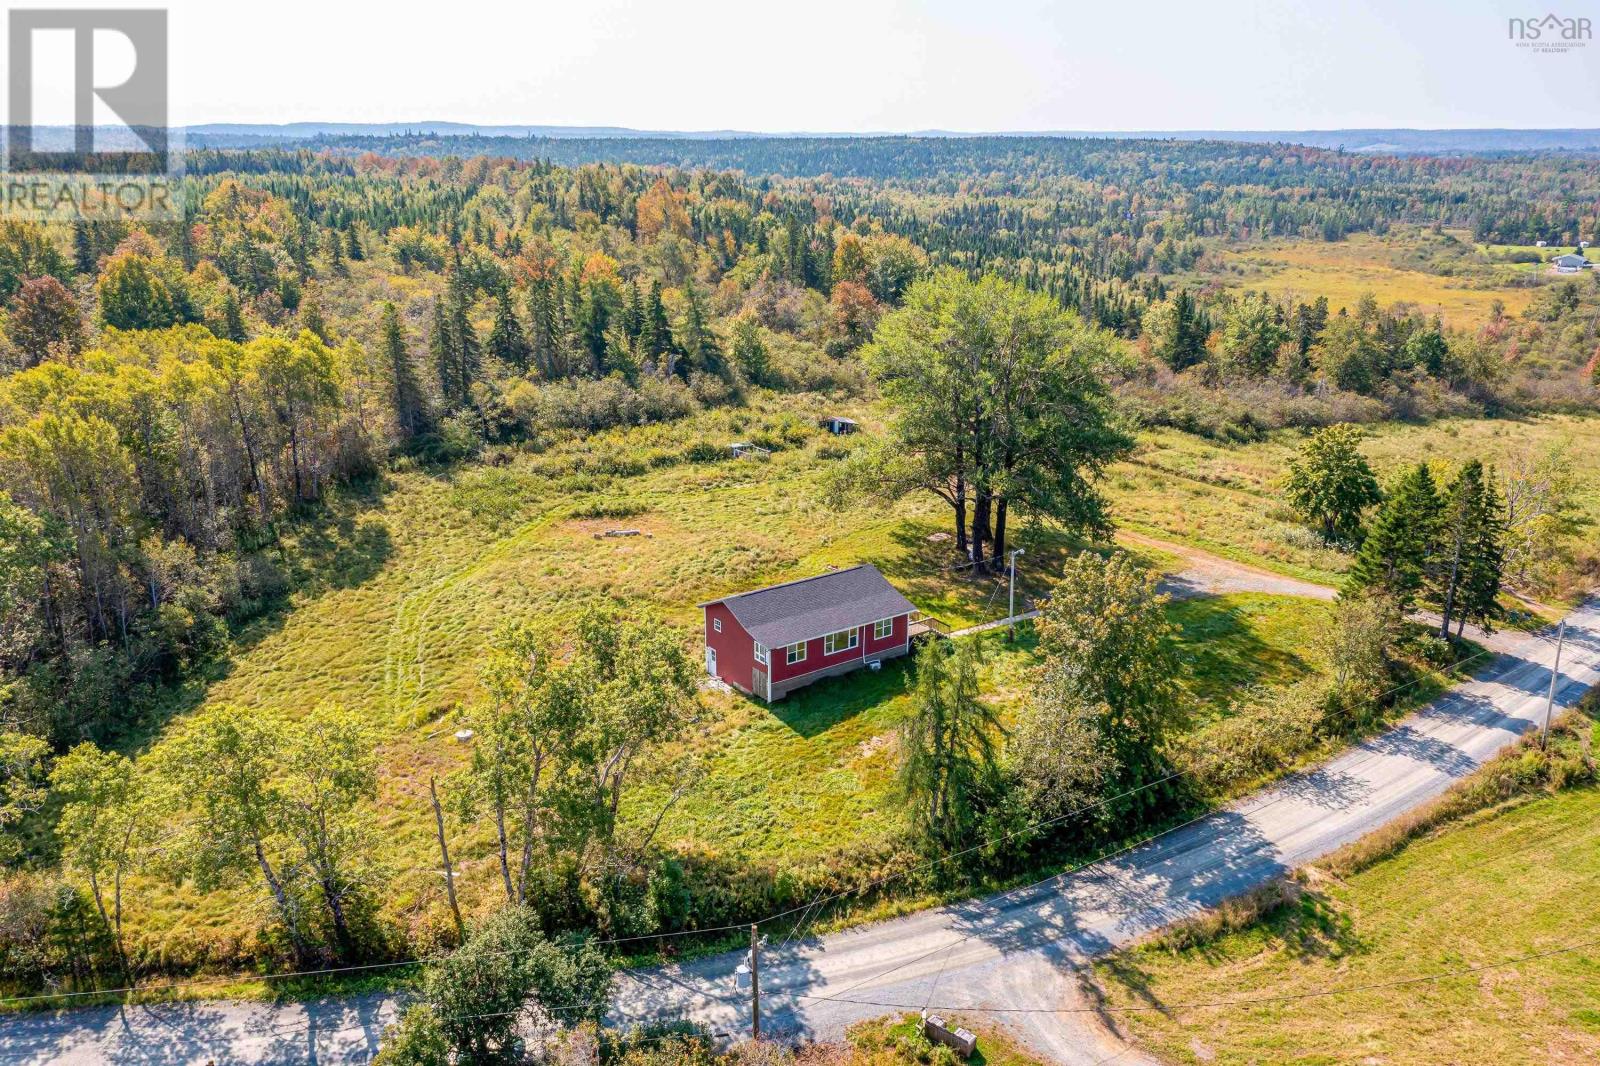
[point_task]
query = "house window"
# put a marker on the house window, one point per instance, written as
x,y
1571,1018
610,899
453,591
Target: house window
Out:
x,y
716,625
883,630
761,653
797,653
834,643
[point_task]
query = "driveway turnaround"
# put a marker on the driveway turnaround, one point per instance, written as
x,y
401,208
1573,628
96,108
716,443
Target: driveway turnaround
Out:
x,y
1010,959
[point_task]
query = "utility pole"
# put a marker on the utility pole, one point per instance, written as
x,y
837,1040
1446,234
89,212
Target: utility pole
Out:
x,y
1011,609
755,982
1550,700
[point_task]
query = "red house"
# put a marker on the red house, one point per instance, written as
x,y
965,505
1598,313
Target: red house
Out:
x,y
774,640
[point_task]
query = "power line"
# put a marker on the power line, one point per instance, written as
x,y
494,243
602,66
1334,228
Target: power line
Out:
x,y
816,904
1249,1001
1362,760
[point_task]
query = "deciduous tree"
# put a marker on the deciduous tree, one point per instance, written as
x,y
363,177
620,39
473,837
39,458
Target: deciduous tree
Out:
x,y
1330,484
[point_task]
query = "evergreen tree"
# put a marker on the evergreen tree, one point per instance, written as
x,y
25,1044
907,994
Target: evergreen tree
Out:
x,y
507,341
83,253
1469,553
1478,595
410,406
442,350
336,262
1177,332
594,317
233,327
699,344
546,332
947,744
353,245
464,345
655,334
1394,555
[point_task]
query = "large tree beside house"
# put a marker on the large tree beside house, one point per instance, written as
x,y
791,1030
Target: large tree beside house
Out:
x,y
1001,406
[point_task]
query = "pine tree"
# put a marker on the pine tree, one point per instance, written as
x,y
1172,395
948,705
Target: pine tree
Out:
x,y
410,407
1478,595
1468,554
353,245
442,350
233,327
336,256
468,350
83,254
545,335
699,344
507,341
655,334
594,320
1394,555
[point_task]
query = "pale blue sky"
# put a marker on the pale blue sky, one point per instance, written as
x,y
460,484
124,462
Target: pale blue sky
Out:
x,y
851,65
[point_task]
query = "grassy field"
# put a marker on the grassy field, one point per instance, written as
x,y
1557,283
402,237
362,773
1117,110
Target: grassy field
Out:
x,y
1393,269
1527,873
404,584
1226,498
412,580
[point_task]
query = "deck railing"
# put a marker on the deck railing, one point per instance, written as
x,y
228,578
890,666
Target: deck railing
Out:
x,y
926,623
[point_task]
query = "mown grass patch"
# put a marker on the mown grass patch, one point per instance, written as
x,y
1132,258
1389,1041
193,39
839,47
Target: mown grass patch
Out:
x,y
1514,844
1526,877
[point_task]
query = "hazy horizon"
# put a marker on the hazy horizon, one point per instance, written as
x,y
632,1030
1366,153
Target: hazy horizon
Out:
x,y
892,66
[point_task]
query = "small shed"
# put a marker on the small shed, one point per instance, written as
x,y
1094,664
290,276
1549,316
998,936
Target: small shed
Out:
x,y
839,425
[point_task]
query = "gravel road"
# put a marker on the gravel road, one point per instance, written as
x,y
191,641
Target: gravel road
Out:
x,y
1020,949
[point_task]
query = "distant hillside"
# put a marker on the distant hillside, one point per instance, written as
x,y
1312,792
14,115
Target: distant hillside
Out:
x,y
1433,142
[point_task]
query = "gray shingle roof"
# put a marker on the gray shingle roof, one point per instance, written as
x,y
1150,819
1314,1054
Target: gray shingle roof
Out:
x,y
816,606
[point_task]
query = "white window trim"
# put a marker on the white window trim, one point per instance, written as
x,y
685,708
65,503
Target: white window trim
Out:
x,y
883,629
761,654
854,641
716,625
791,658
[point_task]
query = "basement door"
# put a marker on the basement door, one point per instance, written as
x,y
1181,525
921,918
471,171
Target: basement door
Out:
x,y
758,684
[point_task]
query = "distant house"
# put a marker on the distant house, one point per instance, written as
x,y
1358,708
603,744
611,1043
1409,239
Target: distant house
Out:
x,y
838,425
772,641
1540,244
1569,263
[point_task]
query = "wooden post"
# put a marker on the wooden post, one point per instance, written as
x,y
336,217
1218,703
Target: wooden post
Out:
x,y
755,983
1550,700
449,871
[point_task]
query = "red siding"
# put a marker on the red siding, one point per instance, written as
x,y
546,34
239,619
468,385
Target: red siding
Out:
x,y
736,655
815,660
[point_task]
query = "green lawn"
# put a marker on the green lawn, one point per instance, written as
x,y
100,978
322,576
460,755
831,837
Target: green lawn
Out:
x,y
1526,877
